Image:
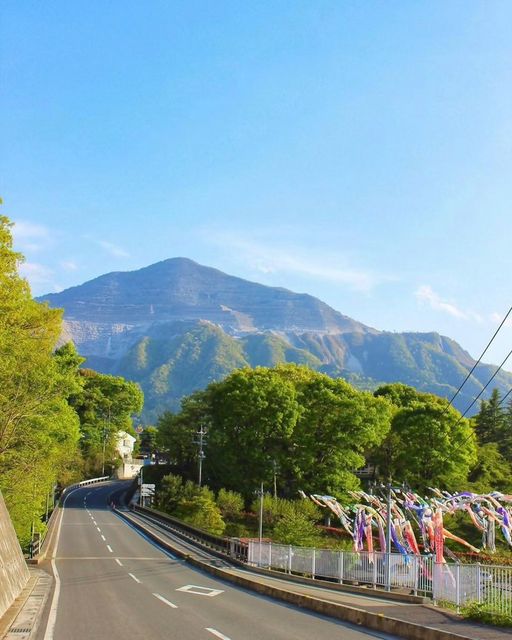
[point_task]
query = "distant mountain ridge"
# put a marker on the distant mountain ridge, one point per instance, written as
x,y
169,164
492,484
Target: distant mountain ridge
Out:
x,y
175,326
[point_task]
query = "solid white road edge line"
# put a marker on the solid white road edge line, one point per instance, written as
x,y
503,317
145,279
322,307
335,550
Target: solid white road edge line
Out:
x,y
217,633
52,616
134,577
170,604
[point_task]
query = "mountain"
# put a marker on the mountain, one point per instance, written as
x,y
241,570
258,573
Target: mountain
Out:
x,y
175,326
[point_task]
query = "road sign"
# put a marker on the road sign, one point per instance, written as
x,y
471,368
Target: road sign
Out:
x,y
147,489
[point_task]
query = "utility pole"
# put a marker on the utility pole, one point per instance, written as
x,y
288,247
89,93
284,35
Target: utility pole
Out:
x,y
105,431
141,481
104,445
201,442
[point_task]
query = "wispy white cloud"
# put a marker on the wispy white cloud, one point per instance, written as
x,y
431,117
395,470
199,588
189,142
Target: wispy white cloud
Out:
x,y
31,237
113,249
267,257
496,318
69,265
426,295
39,275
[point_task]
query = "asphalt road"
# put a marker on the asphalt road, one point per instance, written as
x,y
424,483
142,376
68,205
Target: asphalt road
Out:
x,y
114,584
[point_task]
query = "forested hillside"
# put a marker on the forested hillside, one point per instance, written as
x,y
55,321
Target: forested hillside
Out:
x,y
175,326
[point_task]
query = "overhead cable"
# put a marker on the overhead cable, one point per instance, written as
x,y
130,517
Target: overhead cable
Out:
x,y
479,360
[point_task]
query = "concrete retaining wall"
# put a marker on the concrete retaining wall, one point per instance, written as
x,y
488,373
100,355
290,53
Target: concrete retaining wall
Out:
x,y
13,569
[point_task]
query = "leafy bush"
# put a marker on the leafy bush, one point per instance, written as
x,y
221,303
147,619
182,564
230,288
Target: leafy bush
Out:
x,y
201,511
486,612
273,509
236,530
230,503
170,493
296,529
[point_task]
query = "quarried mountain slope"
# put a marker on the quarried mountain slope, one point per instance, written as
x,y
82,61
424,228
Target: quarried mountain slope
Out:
x,y
175,326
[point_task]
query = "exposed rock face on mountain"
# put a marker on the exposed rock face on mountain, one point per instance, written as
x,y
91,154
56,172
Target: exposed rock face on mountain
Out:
x,y
175,326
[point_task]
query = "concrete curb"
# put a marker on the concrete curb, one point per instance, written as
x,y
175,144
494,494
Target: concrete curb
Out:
x,y
22,618
341,588
12,612
376,622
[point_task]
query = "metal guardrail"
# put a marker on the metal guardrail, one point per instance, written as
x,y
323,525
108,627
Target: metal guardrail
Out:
x,y
406,572
85,483
455,583
39,538
228,547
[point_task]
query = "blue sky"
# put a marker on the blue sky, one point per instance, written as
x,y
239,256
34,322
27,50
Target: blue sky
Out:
x,y
357,151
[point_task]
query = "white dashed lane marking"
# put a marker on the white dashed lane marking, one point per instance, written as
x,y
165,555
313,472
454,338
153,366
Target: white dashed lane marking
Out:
x,y
109,548
119,562
216,633
170,604
134,577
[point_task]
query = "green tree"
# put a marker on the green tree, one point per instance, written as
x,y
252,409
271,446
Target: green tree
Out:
x,y
177,432
336,427
169,493
105,406
231,504
198,508
38,430
491,420
148,440
290,423
253,415
492,471
296,529
429,443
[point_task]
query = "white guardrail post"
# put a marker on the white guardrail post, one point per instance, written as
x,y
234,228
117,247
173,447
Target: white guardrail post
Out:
x,y
342,566
290,554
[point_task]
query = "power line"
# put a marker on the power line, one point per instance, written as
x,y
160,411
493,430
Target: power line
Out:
x,y
488,383
478,362
468,408
505,397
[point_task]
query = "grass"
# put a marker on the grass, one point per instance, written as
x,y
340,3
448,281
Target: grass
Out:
x,y
488,612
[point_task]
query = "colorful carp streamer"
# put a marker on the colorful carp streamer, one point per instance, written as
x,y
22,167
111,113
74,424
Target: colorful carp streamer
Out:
x,y
369,513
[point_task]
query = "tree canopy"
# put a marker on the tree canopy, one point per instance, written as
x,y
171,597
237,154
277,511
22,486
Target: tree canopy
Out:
x,y
429,443
48,405
287,423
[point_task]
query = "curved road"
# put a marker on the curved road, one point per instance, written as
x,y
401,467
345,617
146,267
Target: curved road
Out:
x,y
114,584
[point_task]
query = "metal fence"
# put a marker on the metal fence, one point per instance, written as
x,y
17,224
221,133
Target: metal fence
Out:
x,y
455,583
461,584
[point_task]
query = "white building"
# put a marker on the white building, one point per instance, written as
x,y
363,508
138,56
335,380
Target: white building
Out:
x,y
124,446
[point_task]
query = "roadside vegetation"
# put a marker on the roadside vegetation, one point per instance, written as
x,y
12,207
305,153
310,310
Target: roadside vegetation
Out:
x,y
57,421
